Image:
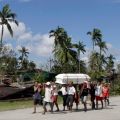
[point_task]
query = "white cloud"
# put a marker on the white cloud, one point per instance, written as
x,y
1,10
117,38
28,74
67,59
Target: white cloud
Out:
x,y
109,46
39,45
42,46
8,46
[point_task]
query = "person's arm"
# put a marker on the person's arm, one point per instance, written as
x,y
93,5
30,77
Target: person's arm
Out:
x,y
81,90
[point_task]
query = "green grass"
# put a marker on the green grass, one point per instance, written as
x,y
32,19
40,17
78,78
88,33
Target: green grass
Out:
x,y
60,99
21,104
13,105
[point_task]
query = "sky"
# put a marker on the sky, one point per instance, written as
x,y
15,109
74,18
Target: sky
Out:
x,y
37,17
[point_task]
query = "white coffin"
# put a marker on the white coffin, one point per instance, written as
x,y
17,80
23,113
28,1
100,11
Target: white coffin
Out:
x,y
76,78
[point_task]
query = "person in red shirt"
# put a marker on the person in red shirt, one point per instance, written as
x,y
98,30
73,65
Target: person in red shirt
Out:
x,y
106,94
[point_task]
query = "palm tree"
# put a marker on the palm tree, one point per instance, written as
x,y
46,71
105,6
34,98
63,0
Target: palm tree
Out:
x,y
94,61
95,36
80,48
32,65
66,55
60,37
7,16
110,62
63,51
24,54
102,45
103,61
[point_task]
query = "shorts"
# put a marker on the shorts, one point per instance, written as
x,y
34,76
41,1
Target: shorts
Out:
x,y
38,102
55,98
70,100
99,98
83,99
76,100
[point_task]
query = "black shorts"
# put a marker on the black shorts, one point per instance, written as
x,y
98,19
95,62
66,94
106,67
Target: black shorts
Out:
x,y
38,102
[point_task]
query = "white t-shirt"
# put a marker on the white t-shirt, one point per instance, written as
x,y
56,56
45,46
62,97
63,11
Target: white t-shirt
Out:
x,y
71,90
48,95
98,91
63,90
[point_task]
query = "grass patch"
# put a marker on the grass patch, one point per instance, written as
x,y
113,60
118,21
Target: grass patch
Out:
x,y
20,104
13,105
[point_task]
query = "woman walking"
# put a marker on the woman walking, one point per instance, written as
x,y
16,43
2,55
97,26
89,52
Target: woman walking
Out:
x,y
99,94
37,96
106,94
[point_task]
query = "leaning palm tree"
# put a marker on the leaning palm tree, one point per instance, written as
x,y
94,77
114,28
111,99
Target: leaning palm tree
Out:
x,y
80,48
6,17
96,36
60,37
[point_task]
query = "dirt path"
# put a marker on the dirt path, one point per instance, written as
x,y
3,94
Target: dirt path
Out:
x,y
111,113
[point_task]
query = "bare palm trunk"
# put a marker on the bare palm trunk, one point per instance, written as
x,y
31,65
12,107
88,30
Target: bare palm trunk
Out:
x,y
93,46
1,45
1,39
79,61
100,61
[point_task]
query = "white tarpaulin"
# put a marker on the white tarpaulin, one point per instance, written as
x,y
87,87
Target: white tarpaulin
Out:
x,y
76,78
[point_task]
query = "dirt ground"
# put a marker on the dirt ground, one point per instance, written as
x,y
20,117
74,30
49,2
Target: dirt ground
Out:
x,y
112,112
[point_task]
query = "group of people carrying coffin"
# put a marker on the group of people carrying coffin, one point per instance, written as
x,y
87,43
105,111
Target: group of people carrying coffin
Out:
x,y
71,93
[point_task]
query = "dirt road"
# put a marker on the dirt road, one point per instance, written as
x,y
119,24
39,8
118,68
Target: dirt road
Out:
x,y
110,113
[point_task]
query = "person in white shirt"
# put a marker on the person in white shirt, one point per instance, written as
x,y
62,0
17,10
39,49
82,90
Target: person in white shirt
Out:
x,y
64,95
99,94
71,94
48,97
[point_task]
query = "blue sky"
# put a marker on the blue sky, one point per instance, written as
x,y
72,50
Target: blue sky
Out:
x,y
38,17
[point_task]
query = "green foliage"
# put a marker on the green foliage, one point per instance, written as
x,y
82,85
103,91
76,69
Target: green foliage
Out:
x,y
39,78
66,53
95,75
115,87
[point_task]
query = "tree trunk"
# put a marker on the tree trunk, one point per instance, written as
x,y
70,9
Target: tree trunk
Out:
x,y
1,39
100,62
79,61
93,46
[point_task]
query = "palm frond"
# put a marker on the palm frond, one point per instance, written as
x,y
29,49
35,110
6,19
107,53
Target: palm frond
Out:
x,y
10,29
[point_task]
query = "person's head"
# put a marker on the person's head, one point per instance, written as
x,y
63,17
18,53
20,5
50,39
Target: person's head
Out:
x,y
52,83
48,84
40,85
106,85
70,83
36,83
99,82
54,86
